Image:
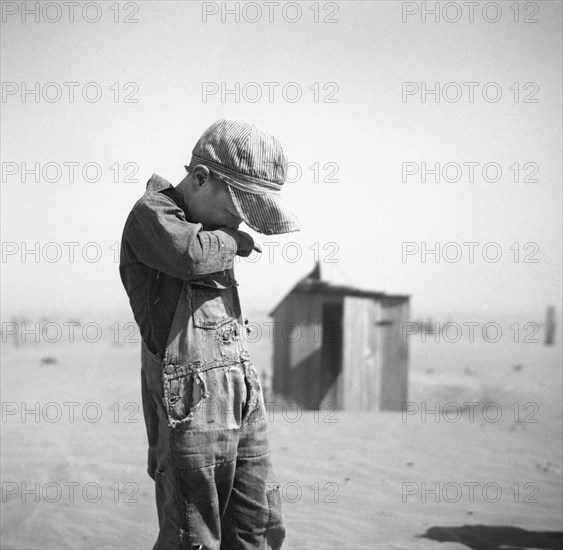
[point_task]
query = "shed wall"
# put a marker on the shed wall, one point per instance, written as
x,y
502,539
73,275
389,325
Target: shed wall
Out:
x,y
361,360
394,364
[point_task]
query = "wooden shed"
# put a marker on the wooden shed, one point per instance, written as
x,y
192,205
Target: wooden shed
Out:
x,y
341,345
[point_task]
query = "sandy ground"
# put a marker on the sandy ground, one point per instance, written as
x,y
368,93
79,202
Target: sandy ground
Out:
x,y
350,480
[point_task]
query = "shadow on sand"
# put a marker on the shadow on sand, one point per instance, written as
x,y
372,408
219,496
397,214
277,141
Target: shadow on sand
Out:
x,y
496,537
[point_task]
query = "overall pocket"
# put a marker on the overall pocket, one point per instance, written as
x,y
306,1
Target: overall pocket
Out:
x,y
183,394
215,314
213,307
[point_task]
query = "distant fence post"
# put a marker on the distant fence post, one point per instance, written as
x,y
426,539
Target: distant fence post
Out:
x,y
549,326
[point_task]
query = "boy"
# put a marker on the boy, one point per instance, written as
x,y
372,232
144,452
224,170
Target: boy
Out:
x,y
202,398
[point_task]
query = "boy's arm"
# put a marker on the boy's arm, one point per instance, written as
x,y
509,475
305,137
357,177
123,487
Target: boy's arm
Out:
x,y
163,239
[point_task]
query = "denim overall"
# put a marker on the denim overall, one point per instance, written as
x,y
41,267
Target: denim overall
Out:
x,y
206,425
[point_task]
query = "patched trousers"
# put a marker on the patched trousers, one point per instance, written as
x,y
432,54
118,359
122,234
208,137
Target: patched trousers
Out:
x,y
209,457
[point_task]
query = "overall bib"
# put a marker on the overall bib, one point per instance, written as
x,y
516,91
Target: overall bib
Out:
x,y
206,424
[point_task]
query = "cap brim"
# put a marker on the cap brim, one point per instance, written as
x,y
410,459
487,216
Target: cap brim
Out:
x,y
265,213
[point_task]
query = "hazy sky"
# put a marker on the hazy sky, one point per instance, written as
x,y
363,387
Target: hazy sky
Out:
x,y
166,58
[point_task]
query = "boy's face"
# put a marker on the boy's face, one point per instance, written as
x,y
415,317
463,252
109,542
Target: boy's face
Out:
x,y
211,205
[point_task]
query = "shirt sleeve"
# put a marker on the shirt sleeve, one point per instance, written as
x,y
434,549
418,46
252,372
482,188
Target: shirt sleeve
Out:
x,y
163,239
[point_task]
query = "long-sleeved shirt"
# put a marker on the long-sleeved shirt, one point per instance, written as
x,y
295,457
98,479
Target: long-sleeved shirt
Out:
x,y
160,248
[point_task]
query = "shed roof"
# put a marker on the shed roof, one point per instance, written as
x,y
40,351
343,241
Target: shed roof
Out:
x,y
312,284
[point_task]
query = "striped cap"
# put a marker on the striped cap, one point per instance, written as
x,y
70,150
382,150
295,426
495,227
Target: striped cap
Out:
x,y
252,162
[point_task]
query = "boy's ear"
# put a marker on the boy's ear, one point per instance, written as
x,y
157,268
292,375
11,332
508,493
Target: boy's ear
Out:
x,y
201,174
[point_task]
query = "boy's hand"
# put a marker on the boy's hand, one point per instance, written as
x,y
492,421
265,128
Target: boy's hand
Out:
x,y
245,243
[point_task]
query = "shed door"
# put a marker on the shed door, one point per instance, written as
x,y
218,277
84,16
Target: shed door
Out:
x,y
331,365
